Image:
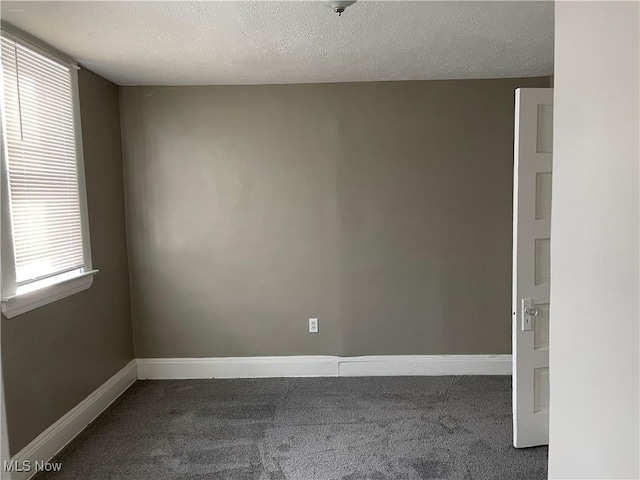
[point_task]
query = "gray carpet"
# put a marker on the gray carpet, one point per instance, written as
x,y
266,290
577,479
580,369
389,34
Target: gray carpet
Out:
x,y
375,428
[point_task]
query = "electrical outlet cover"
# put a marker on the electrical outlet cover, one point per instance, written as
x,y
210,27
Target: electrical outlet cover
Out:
x,y
313,325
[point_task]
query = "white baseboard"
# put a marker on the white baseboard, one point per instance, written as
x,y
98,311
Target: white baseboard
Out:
x,y
53,439
428,365
237,367
322,366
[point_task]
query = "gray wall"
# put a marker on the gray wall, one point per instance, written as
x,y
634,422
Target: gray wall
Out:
x,y
54,356
384,209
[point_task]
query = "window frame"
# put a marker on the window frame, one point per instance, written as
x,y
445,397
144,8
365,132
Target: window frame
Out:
x,y
45,291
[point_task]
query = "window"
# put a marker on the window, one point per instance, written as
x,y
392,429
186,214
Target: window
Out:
x,y
45,237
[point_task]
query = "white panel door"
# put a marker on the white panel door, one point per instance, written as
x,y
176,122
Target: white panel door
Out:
x,y
531,265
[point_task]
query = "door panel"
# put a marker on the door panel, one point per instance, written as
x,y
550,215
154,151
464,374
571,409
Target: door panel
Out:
x,y
533,177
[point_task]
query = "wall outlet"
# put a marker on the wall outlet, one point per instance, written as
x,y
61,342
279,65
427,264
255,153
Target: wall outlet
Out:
x,y
313,325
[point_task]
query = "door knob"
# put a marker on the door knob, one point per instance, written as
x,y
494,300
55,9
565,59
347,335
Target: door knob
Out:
x,y
528,313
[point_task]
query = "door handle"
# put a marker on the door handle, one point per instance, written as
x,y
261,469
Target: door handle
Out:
x,y
529,311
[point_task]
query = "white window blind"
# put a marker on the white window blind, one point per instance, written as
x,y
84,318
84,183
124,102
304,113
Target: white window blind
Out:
x,y
41,164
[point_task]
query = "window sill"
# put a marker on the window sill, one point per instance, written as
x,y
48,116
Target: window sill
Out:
x,y
25,302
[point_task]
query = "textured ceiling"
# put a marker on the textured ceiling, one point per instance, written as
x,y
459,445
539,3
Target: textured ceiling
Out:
x,y
188,43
